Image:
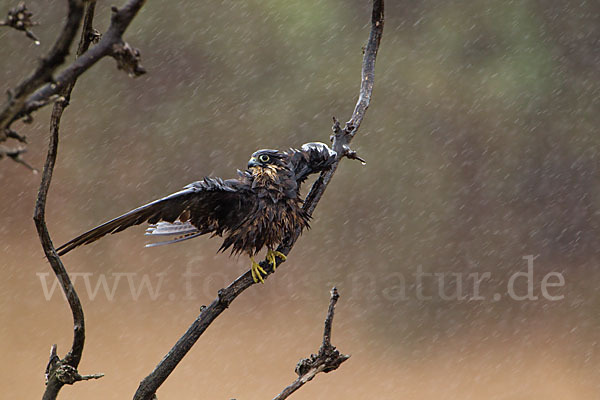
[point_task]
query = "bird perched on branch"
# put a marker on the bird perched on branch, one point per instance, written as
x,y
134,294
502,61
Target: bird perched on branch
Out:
x,y
259,208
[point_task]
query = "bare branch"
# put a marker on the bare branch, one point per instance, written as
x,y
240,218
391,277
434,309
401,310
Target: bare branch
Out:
x,y
60,372
48,64
72,359
88,34
329,319
326,360
341,140
29,96
368,68
120,20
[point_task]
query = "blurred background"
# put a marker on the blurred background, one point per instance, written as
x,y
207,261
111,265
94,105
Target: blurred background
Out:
x,y
482,146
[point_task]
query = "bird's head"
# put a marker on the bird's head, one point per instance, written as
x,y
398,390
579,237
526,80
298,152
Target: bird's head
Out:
x,y
266,163
266,158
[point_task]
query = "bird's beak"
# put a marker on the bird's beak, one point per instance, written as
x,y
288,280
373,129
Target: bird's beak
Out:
x,y
252,162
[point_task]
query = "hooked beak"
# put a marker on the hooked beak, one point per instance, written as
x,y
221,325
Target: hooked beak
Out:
x,y
253,162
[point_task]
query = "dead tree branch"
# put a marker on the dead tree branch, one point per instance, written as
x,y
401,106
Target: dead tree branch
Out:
x,y
60,372
64,373
326,360
41,88
56,367
341,139
110,43
48,64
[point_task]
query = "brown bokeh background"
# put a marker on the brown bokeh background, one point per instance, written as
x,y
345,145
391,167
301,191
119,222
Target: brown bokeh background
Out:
x,y
482,146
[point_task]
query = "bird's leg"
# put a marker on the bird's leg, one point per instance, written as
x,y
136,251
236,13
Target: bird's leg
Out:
x,y
257,271
272,257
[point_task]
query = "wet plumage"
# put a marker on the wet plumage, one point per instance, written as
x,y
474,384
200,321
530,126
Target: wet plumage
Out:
x,y
257,209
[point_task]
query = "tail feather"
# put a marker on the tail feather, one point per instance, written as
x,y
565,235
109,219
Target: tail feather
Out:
x,y
178,239
184,230
168,228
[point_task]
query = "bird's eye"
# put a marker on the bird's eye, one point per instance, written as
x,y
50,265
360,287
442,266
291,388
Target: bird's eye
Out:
x,y
263,158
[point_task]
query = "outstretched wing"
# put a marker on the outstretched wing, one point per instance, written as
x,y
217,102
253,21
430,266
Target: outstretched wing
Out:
x,y
210,205
311,158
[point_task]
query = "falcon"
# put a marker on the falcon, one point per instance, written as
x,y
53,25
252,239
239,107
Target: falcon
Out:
x,y
259,208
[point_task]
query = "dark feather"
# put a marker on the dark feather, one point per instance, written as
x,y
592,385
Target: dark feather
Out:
x,y
312,158
212,205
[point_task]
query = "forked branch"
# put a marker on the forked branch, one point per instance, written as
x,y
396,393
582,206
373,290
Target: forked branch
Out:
x,y
108,45
48,64
42,87
326,360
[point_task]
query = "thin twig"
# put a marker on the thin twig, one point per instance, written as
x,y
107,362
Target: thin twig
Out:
x,y
326,360
14,135
329,320
149,385
15,154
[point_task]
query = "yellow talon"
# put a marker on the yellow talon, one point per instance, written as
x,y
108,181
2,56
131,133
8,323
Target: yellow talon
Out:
x,y
257,271
272,257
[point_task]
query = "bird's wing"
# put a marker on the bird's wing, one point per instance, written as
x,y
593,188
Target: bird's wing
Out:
x,y
210,205
311,158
